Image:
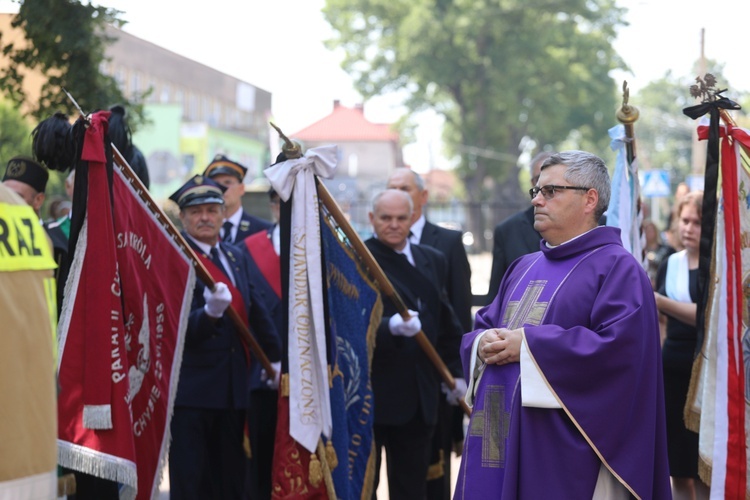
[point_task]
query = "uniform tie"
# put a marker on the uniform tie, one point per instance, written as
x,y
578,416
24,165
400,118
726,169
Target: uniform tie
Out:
x,y
217,261
227,227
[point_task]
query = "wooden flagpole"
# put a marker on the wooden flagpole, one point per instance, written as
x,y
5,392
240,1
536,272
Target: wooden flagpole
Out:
x,y
203,274
292,151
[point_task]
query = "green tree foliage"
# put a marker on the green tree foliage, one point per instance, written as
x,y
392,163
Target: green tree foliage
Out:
x,y
664,135
503,73
66,43
15,139
663,132
15,134
500,71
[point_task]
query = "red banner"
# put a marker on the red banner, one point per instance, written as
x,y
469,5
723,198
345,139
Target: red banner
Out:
x,y
121,332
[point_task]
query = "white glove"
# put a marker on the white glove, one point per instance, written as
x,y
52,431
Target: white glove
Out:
x,y
453,396
217,301
272,384
408,328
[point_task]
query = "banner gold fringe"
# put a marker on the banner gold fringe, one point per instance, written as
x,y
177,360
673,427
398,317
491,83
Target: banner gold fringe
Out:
x,y
437,470
315,474
246,446
369,476
331,458
692,417
284,385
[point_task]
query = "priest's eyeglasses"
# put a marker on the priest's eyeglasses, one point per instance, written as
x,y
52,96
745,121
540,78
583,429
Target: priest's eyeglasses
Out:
x,y
548,191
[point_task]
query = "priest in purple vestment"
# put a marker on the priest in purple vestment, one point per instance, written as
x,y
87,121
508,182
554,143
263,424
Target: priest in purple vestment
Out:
x,y
565,364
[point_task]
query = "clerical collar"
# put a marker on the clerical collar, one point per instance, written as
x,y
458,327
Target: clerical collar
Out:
x,y
572,239
417,228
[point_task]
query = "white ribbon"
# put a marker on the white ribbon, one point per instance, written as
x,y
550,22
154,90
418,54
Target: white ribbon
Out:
x,y
309,401
677,283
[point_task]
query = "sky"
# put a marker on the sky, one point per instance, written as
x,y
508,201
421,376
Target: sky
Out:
x,y
260,41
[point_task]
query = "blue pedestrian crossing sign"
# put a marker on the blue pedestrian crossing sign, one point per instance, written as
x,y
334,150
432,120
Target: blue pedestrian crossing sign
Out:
x,y
655,183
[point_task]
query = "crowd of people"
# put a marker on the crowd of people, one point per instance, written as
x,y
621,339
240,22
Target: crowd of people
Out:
x,y
575,392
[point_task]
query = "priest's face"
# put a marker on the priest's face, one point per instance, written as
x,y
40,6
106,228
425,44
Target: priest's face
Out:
x,y
391,218
564,213
203,222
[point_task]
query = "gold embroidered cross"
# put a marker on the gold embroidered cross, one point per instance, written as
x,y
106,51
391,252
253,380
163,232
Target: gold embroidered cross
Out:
x,y
491,424
527,310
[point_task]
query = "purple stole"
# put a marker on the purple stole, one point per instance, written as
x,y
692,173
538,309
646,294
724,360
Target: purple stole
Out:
x,y
486,445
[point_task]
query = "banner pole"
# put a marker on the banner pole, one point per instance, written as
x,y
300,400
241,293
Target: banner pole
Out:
x,y
385,285
200,270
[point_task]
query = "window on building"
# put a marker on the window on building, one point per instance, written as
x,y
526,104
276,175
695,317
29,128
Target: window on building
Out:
x,y
193,109
120,77
205,109
151,91
135,83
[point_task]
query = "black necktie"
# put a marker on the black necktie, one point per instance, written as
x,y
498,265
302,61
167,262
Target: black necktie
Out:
x,y
405,258
217,261
227,232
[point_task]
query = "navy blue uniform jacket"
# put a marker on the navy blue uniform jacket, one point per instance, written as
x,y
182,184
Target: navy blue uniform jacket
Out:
x,y
214,371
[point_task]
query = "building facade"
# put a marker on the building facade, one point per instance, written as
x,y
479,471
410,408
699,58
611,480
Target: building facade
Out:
x,y
193,111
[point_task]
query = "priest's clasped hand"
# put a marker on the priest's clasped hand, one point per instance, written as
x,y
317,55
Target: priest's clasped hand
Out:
x,y
217,300
402,328
500,346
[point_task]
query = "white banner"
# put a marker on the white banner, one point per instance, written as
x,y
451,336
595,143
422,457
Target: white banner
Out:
x,y
309,401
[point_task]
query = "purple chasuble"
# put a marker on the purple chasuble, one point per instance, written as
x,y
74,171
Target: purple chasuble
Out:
x,y
590,325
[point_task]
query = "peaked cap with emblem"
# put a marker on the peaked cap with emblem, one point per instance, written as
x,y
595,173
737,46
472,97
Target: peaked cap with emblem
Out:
x,y
27,170
223,165
199,190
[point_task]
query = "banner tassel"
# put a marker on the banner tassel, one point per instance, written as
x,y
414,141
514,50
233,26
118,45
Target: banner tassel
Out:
x,y
315,472
331,457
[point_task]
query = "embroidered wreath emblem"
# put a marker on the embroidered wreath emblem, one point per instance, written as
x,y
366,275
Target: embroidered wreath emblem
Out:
x,y
16,168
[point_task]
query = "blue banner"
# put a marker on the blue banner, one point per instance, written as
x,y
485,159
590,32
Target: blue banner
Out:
x,y
354,312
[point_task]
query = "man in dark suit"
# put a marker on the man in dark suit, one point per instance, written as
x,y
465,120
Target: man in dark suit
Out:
x,y
206,457
449,242
237,224
515,236
406,387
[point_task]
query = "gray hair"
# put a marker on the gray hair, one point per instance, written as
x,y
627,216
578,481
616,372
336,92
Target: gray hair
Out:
x,y
417,178
538,159
380,194
586,170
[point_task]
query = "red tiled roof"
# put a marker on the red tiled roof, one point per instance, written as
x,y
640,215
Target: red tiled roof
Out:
x,y
346,124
